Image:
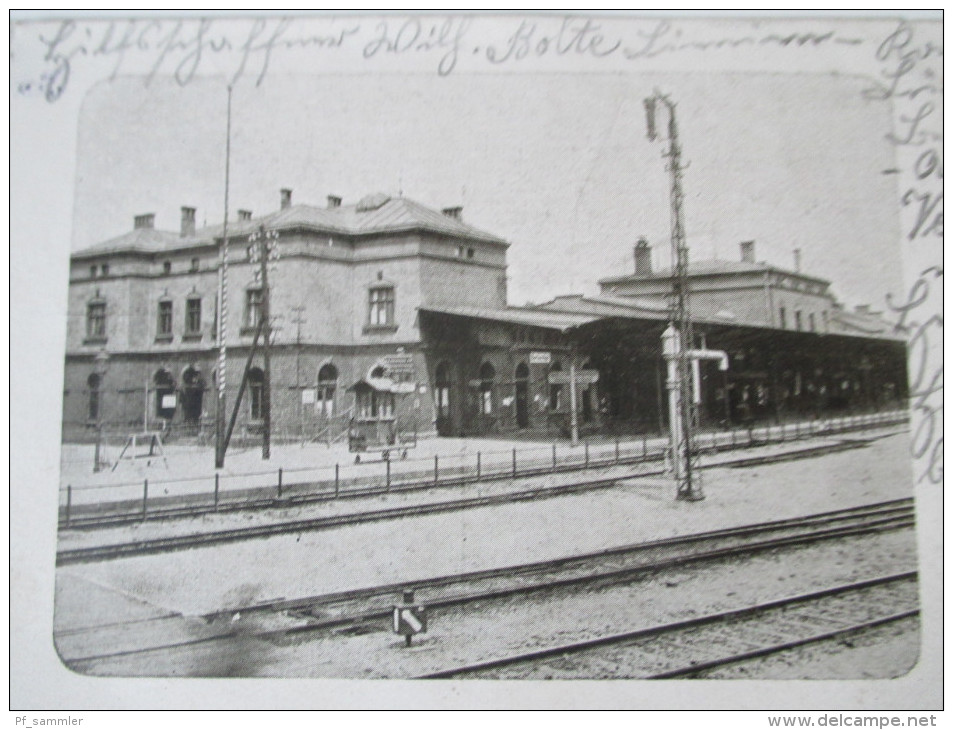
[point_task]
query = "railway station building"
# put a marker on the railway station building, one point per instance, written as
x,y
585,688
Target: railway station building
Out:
x,y
394,315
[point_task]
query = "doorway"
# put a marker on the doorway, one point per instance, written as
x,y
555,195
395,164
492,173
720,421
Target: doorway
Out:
x,y
442,399
522,395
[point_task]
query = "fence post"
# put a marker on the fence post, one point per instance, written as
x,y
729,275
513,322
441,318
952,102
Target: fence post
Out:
x,y
436,469
145,497
616,449
280,475
337,479
215,497
514,462
69,502
554,457
478,466
387,461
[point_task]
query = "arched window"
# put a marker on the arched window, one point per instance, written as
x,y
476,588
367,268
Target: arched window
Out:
x,y
327,386
93,383
487,374
164,385
256,390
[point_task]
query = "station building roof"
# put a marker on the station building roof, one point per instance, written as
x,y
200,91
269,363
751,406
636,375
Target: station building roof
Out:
x,y
716,267
525,316
373,215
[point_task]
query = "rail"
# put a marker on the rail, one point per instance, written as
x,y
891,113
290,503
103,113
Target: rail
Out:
x,y
141,500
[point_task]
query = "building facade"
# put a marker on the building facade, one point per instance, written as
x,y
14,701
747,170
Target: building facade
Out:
x,y
388,315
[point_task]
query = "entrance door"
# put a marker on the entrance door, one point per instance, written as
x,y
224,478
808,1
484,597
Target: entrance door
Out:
x,y
442,398
192,389
522,395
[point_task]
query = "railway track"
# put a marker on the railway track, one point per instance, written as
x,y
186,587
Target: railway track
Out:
x,y
214,537
693,647
367,610
291,495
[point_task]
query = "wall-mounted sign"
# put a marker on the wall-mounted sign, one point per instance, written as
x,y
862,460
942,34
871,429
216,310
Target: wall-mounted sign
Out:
x,y
168,401
583,377
540,358
307,395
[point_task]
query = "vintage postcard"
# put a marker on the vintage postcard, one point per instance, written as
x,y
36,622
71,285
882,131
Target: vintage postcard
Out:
x,y
459,347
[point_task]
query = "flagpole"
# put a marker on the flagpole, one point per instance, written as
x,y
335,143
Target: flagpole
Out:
x,y
223,304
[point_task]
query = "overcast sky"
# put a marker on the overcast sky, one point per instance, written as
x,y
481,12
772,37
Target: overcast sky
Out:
x,y
559,165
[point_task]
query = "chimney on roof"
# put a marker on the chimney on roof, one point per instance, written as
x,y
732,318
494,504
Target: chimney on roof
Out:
x,y
334,201
747,252
453,212
797,260
643,257
244,215
188,222
146,220
285,198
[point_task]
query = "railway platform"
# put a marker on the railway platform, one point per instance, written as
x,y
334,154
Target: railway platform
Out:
x,y
183,586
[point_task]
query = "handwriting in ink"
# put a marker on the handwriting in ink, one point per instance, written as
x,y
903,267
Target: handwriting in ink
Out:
x,y
421,36
573,36
180,47
912,134
903,56
926,385
929,220
581,37
664,38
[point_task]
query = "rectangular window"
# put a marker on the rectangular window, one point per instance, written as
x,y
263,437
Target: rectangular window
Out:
x,y
810,321
195,265
252,307
381,303
96,320
783,318
193,316
797,320
164,320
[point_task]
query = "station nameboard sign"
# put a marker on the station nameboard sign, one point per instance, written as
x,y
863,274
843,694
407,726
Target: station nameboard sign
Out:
x,y
540,358
399,364
583,377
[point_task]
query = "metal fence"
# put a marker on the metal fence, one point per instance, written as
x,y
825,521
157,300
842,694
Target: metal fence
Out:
x,y
166,497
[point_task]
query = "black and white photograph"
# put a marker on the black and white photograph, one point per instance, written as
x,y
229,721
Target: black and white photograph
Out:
x,y
514,348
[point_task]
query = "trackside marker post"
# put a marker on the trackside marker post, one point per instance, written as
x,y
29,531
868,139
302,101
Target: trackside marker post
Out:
x,y
409,619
